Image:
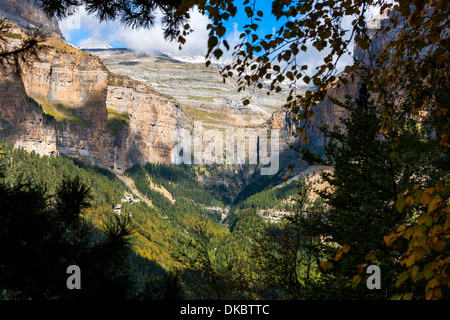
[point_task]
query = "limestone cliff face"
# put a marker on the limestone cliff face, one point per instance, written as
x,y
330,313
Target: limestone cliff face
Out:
x,y
330,114
154,120
21,123
70,104
325,113
77,81
67,102
27,14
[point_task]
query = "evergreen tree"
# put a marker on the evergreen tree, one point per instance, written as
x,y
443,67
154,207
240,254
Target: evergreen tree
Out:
x,y
287,254
365,185
42,235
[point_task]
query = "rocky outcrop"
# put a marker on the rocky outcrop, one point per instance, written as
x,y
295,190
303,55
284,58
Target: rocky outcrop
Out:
x,y
20,118
75,80
28,15
154,120
68,103
325,113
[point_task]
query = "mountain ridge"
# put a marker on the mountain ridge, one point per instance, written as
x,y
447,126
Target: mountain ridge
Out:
x,y
115,112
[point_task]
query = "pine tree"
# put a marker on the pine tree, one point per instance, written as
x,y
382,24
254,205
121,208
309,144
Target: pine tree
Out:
x,y
287,254
41,235
365,185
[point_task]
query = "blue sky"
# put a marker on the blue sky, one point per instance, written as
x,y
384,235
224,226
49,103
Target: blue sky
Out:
x,y
85,30
82,29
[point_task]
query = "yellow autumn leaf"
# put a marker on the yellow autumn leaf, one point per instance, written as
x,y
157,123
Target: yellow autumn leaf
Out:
x,y
370,256
427,274
436,230
301,131
447,222
356,280
439,245
431,284
408,296
414,271
401,203
389,239
437,293
426,197
408,261
345,248
325,265
425,220
402,278
432,206
410,200
419,253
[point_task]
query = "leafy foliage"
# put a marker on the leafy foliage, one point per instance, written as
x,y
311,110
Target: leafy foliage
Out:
x,y
391,164
420,42
130,13
287,256
367,182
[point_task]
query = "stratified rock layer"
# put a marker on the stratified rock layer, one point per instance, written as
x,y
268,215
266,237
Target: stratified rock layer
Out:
x,y
83,93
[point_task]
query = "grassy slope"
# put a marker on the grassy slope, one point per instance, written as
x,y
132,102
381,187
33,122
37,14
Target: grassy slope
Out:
x,y
60,112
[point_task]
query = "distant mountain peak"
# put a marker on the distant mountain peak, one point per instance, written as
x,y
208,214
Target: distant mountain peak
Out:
x,y
96,46
94,42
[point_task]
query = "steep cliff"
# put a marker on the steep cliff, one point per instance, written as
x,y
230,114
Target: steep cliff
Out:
x,y
325,113
28,15
66,102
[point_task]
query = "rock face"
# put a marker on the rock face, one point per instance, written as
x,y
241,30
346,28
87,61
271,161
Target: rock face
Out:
x,y
26,14
70,104
325,113
154,121
200,90
21,119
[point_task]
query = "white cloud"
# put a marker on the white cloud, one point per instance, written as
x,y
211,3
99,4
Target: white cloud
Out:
x,y
151,40
94,42
140,40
